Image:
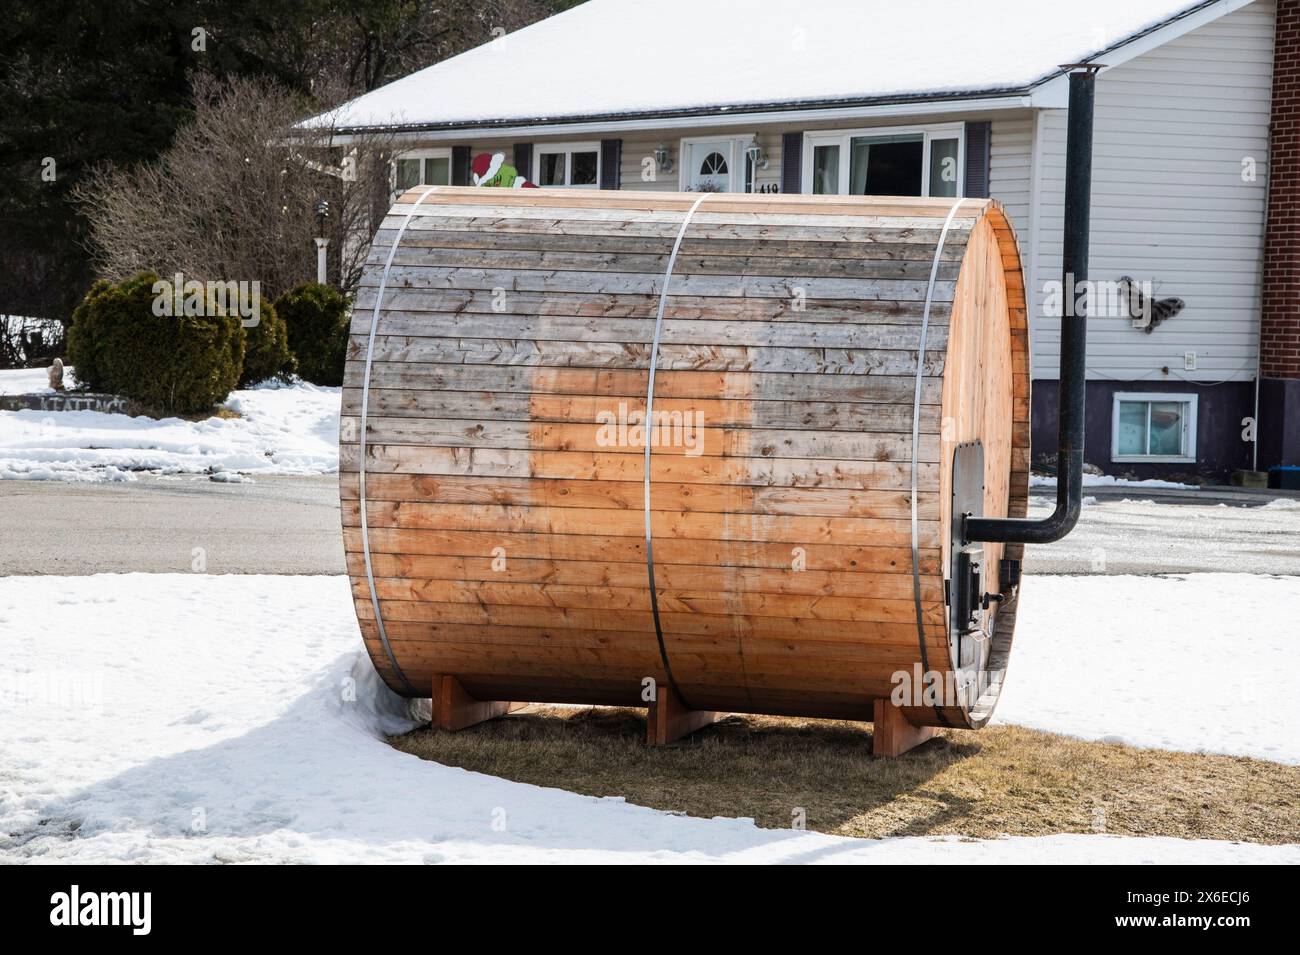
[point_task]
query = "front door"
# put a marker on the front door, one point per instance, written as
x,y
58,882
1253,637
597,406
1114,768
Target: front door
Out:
x,y
710,166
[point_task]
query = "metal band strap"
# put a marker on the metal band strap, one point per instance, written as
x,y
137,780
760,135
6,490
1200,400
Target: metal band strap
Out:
x,y
361,464
916,437
649,418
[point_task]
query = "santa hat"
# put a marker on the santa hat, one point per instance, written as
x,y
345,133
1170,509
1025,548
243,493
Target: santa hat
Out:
x,y
484,167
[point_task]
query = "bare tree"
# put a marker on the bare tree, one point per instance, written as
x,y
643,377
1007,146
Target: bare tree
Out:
x,y
372,42
27,342
234,197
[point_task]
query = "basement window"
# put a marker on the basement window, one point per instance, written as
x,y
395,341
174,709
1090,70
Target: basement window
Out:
x,y
567,165
1153,428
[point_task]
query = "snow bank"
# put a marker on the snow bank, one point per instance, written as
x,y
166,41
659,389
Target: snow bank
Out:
x,y
1198,662
283,430
1050,502
1107,480
192,718
30,381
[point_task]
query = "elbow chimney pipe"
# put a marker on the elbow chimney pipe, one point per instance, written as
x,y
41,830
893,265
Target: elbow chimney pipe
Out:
x,y
1074,335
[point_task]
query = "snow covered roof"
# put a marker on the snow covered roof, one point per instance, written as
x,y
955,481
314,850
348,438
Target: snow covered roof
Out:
x,y
620,58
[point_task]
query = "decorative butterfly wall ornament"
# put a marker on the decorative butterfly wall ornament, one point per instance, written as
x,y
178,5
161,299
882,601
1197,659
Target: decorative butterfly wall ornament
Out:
x,y
1146,313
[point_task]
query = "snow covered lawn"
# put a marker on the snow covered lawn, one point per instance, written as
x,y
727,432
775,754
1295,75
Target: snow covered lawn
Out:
x,y
281,430
1195,662
193,718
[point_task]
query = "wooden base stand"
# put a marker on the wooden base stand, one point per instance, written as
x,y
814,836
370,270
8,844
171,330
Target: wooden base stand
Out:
x,y
669,719
892,735
454,709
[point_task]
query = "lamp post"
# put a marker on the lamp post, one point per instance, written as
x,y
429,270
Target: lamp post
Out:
x,y
322,243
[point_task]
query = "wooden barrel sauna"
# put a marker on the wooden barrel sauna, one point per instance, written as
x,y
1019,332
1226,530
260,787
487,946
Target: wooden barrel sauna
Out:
x,y
822,362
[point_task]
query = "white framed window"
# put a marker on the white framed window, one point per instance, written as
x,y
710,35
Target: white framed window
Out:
x,y
421,167
1153,427
886,161
567,165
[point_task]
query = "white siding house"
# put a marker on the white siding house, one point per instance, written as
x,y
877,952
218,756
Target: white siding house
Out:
x,y
1180,166
1179,186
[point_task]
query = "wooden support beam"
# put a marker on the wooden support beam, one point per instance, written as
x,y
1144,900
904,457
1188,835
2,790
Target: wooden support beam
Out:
x,y
892,735
454,709
669,719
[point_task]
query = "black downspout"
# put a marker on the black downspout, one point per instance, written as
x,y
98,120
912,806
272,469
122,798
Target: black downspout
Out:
x,y
1074,335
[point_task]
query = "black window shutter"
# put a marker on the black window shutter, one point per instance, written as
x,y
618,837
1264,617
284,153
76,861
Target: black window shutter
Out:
x,y
460,166
611,161
524,160
979,141
792,162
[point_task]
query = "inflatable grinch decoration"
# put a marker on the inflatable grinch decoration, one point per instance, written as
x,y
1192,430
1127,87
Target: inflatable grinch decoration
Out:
x,y
492,170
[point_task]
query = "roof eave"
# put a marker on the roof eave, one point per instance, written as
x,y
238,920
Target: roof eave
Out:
x,y
747,114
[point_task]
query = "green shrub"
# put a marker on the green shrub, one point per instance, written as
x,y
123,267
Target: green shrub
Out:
x,y
181,364
266,349
86,337
317,319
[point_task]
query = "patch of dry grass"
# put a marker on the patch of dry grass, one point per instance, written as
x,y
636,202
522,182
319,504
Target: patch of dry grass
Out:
x,y
1000,781
226,414
136,409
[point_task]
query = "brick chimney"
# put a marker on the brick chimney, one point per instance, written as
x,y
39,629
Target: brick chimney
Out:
x,y
1279,333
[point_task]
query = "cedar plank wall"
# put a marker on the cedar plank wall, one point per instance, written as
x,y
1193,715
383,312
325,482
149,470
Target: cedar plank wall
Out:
x,y
957,404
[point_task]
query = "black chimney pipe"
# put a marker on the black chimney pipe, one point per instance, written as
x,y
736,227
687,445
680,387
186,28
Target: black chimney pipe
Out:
x,y
1074,335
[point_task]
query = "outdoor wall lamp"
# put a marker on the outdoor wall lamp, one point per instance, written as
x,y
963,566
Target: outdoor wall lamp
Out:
x,y
663,159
